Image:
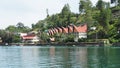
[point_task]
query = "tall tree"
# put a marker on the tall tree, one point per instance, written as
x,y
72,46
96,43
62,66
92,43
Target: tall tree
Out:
x,y
11,28
85,9
84,5
66,12
105,14
20,25
104,19
100,5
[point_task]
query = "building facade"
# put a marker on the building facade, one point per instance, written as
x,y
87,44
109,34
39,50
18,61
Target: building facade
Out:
x,y
30,38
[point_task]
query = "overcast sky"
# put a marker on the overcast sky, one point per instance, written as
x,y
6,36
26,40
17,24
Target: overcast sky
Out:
x,y
31,11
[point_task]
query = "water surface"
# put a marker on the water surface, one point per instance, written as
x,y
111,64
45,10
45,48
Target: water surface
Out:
x,y
59,57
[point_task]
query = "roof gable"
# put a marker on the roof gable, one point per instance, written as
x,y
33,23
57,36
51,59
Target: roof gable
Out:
x,y
70,29
81,28
65,30
59,30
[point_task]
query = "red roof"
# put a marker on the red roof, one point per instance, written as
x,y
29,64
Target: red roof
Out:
x,y
81,28
51,32
75,28
70,29
56,30
59,30
27,37
65,30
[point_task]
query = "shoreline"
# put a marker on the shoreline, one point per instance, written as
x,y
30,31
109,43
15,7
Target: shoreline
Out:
x,y
55,44
61,44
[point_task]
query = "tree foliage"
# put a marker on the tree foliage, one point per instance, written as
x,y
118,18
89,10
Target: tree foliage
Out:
x,y
85,10
100,5
11,33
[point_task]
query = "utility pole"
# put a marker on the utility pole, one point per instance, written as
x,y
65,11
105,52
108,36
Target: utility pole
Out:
x,y
47,12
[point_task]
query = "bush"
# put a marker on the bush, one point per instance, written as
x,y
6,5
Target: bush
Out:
x,y
82,40
69,38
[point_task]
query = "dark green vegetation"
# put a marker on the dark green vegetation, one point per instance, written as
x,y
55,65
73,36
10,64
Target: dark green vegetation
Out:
x,y
11,33
101,16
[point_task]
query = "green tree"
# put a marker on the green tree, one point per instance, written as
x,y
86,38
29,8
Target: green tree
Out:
x,y
66,12
43,36
85,9
84,6
6,36
11,28
105,17
69,38
20,25
100,5
118,2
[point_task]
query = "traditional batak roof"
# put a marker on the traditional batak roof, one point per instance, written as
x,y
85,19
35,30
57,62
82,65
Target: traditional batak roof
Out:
x,y
59,29
65,30
56,30
69,29
51,32
80,29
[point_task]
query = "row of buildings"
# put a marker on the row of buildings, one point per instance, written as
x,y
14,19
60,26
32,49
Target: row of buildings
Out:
x,y
78,32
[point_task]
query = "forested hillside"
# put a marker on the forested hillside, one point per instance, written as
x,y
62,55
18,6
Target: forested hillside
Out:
x,y
106,19
100,16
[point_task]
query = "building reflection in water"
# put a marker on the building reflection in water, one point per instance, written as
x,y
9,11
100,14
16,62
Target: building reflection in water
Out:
x,y
81,57
70,57
52,56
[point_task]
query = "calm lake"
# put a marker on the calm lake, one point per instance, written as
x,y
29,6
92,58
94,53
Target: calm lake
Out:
x,y
59,57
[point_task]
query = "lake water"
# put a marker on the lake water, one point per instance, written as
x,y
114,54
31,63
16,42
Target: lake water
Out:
x,y
59,57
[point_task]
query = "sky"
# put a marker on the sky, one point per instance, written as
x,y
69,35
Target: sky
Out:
x,y
31,11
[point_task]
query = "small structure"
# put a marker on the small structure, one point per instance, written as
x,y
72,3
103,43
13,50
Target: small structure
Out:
x,y
30,38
